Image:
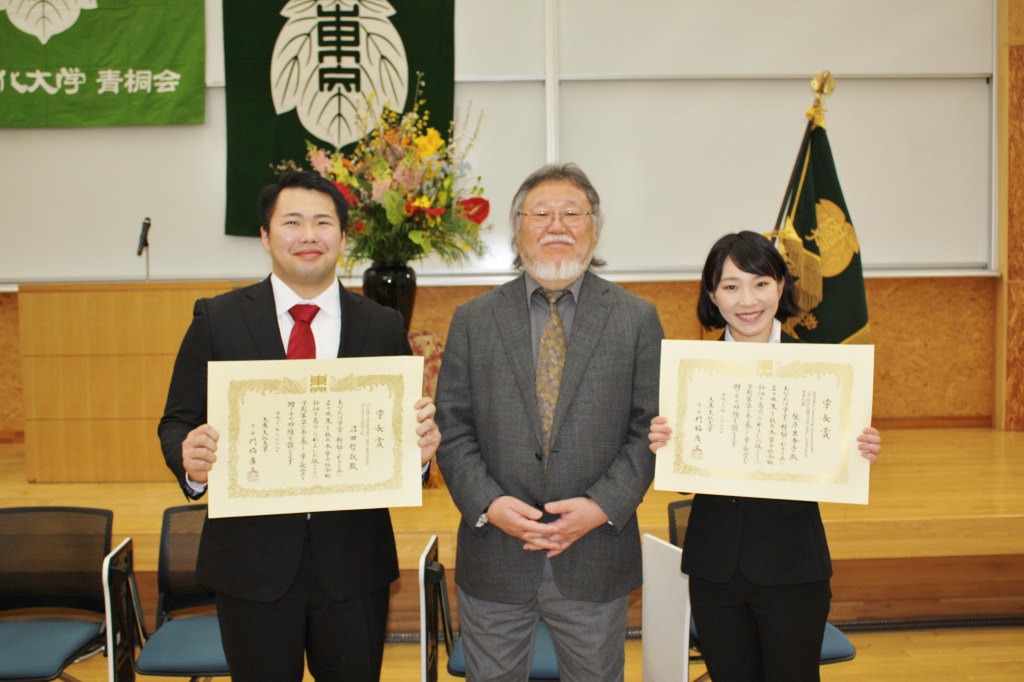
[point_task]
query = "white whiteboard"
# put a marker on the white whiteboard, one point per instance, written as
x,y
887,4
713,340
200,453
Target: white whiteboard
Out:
x,y
911,156
687,115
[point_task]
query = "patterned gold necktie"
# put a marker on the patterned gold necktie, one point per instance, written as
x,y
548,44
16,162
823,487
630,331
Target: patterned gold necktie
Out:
x,y
550,363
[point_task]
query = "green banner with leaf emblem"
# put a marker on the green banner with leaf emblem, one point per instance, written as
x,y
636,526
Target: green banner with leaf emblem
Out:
x,y
102,63
299,70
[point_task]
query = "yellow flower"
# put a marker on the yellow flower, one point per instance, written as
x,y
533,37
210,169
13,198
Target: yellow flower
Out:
x,y
429,144
340,172
422,202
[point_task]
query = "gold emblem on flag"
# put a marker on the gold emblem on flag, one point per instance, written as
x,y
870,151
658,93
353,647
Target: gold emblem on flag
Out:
x,y
836,240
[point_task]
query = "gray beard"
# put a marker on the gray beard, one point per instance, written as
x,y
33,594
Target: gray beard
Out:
x,y
566,271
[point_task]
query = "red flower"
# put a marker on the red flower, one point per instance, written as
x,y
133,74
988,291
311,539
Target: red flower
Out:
x,y
359,227
475,208
412,209
350,198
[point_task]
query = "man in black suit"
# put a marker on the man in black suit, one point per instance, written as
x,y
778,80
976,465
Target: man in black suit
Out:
x,y
290,583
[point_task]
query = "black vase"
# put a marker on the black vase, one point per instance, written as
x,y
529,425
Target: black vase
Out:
x,y
393,285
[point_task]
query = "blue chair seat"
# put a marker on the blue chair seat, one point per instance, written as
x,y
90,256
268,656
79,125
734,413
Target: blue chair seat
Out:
x,y
40,648
836,647
543,667
197,635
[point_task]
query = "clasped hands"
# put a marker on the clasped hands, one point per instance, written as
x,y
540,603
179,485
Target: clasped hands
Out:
x,y
577,516
199,449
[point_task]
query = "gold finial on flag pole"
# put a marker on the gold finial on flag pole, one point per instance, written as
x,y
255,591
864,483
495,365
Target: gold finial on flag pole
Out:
x,y
822,85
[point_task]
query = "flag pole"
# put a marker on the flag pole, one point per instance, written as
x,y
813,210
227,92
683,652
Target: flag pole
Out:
x,y
787,196
822,84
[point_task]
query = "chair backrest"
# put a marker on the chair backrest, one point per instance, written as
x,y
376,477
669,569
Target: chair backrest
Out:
x,y
176,569
185,647
678,518
123,624
51,557
434,607
437,615
430,609
666,631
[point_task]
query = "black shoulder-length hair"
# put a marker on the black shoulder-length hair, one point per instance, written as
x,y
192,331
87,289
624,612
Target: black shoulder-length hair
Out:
x,y
753,253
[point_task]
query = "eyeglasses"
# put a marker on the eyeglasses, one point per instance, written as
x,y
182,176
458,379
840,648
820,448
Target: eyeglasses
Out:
x,y
543,218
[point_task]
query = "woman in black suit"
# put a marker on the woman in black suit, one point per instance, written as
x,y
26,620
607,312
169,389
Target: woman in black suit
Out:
x,y
759,569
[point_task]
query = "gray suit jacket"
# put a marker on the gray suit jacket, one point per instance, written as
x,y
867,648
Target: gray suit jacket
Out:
x,y
487,414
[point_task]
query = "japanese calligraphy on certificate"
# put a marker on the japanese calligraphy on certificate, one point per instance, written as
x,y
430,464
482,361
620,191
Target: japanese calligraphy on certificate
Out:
x,y
314,435
766,419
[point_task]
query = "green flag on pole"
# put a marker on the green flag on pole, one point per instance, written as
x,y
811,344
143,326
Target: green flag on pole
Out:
x,y
110,63
815,235
299,70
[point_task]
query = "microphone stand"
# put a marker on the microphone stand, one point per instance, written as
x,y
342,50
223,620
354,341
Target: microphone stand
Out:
x,y
144,243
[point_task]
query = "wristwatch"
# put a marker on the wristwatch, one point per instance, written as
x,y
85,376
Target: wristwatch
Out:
x,y
482,520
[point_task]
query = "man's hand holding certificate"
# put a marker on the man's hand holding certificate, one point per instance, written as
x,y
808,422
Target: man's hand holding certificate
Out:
x,y
766,420
314,435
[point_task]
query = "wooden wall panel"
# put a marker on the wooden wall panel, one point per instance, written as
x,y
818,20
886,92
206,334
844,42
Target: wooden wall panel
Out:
x,y
96,362
12,415
1015,356
1013,284
1010,393
109,319
1014,141
436,305
928,371
677,306
94,450
96,387
934,350
933,587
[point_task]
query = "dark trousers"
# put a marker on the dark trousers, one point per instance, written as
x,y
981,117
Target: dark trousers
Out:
x,y
343,640
759,633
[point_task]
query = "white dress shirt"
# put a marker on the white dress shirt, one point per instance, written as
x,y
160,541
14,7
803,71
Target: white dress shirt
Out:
x,y
326,325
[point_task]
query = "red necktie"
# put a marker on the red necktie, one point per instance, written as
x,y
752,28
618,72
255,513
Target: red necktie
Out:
x,y
301,345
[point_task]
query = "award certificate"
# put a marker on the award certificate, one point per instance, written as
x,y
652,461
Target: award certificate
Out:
x,y
314,435
766,419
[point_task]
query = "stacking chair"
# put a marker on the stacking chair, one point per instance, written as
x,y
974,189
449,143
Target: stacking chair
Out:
x,y
50,559
665,609
434,605
176,571
835,647
176,649
678,518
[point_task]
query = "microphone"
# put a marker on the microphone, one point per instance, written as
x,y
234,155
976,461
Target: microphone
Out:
x,y
144,236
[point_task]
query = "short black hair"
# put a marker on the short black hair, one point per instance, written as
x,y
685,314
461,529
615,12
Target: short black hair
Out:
x,y
267,201
753,253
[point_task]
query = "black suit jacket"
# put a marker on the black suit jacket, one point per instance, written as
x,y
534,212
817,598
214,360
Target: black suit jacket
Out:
x,y
773,542
257,557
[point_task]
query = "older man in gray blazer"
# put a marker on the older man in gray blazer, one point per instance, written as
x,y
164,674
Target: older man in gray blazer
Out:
x,y
545,399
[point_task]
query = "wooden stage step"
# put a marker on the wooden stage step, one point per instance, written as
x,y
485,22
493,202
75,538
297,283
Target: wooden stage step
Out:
x,y
943,535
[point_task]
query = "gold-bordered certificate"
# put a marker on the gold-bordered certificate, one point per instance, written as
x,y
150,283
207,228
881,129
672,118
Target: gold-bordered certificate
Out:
x,y
766,419
314,435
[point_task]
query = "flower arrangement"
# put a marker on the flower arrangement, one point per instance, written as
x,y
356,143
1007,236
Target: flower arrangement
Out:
x,y
406,187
